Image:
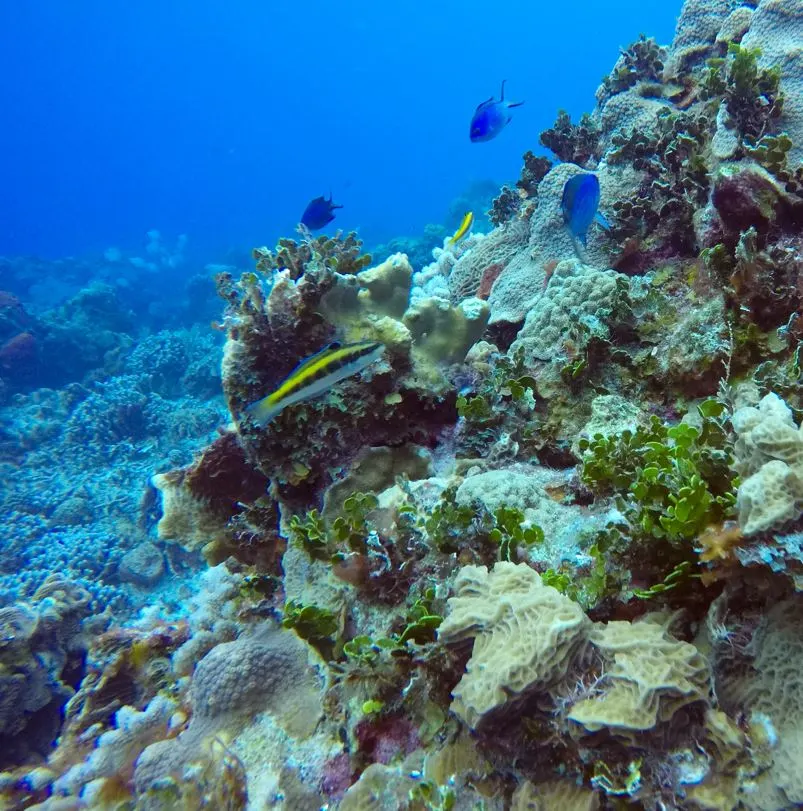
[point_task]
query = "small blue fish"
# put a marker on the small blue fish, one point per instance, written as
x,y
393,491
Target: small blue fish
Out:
x,y
579,205
491,117
319,213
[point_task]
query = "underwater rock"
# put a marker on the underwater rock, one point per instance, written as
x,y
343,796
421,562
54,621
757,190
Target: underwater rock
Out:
x,y
142,566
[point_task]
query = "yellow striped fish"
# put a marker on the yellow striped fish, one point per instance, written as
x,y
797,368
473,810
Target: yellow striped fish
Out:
x,y
316,375
463,228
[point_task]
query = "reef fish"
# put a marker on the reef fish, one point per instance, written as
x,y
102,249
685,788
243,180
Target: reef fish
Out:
x,y
319,213
491,117
463,228
579,205
315,376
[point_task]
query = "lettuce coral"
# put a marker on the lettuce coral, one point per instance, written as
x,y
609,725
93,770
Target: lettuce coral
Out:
x,y
525,636
769,455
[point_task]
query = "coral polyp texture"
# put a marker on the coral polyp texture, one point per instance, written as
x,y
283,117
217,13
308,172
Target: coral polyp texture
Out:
x,y
518,523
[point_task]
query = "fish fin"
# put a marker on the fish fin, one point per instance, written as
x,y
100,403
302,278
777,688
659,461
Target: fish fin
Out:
x,y
502,91
483,104
514,104
602,220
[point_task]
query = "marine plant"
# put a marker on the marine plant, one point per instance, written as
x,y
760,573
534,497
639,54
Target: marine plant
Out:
x,y
510,534
448,522
671,482
429,796
751,93
641,61
572,143
316,625
673,157
332,541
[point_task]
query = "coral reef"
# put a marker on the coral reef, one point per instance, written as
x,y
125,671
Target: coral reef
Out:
x,y
546,551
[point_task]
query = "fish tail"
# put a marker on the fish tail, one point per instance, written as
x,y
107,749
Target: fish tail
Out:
x,y
262,411
579,248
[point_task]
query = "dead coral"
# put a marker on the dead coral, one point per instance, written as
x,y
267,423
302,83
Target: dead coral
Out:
x,y
340,253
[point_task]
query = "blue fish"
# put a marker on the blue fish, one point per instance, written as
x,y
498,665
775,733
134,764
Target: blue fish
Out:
x,y
491,117
319,213
579,205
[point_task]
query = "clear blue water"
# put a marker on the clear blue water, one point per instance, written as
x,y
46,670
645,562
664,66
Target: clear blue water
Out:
x,y
221,120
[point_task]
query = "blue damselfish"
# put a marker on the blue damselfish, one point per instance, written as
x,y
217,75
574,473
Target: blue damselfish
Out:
x,y
579,205
319,213
491,117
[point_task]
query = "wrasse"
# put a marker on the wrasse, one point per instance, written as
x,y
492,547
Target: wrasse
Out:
x,y
315,376
463,228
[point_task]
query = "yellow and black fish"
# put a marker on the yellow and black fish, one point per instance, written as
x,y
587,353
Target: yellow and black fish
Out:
x,y
463,228
315,376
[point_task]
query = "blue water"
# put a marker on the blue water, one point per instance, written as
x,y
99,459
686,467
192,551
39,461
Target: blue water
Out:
x,y
221,120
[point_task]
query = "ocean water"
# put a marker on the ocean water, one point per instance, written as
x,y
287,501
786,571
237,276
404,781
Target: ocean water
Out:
x,y
530,535
221,123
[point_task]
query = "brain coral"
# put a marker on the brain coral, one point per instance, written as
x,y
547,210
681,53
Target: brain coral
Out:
x,y
525,636
498,247
265,671
648,677
576,294
769,452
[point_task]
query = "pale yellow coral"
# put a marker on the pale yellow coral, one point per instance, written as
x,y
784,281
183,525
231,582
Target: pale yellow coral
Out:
x,y
648,676
525,636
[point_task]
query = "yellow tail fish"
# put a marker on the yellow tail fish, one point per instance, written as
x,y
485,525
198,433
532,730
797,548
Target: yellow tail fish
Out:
x,y
463,228
315,376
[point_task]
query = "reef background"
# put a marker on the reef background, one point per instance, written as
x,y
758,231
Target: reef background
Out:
x,y
547,552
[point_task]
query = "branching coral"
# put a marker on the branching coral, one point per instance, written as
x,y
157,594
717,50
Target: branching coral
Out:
x,y
505,206
533,172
